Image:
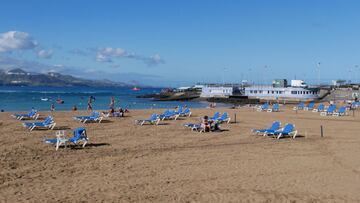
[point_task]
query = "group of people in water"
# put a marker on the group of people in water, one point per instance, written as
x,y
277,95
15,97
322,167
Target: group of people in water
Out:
x,y
120,112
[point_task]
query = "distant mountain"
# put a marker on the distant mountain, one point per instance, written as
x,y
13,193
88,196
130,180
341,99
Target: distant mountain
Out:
x,y
20,77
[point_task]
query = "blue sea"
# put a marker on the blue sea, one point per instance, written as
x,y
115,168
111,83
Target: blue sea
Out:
x,y
18,98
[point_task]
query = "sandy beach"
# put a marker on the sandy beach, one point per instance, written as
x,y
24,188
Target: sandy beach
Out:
x,y
124,162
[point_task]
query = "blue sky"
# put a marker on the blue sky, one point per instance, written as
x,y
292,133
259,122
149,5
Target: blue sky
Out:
x,y
183,42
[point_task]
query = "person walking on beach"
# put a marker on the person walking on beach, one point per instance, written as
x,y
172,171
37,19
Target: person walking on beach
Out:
x,y
112,103
52,107
89,104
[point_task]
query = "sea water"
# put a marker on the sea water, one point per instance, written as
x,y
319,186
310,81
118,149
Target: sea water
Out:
x,y
18,98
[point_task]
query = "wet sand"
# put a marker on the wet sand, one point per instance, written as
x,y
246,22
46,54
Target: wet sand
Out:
x,y
124,162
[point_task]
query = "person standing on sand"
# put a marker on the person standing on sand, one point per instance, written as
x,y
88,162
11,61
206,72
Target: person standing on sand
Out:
x,y
52,107
89,104
112,103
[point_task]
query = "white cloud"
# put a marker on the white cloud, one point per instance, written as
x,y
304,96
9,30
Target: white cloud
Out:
x,y
46,54
59,65
115,66
82,52
154,60
105,54
108,54
103,58
19,41
15,40
115,52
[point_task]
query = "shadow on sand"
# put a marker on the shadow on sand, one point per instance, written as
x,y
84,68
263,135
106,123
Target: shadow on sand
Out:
x,y
90,145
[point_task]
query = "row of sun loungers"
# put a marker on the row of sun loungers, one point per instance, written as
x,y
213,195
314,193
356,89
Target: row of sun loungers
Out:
x,y
331,111
276,131
322,109
33,114
49,120
50,123
167,115
79,134
216,118
301,106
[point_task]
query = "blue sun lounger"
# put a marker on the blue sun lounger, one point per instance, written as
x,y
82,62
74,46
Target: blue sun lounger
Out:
x,y
274,127
341,112
331,109
79,135
31,115
185,112
94,117
274,108
263,107
153,120
320,108
310,106
288,130
179,110
215,116
355,104
223,118
168,115
93,113
300,106
47,123
194,127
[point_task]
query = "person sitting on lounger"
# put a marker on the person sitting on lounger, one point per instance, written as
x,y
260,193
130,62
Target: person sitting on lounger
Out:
x,y
121,112
205,124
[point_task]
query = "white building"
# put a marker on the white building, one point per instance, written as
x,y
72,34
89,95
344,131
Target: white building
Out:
x,y
216,91
298,83
282,93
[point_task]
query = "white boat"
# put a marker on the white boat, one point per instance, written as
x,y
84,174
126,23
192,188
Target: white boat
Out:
x,y
44,99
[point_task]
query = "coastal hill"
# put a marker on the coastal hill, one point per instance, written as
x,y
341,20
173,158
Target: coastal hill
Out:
x,y
21,77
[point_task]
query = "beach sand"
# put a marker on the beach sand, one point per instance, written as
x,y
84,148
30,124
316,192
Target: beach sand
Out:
x,y
124,162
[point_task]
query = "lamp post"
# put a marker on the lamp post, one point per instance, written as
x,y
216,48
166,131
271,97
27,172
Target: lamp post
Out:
x,y
318,69
249,75
223,76
265,71
349,81
357,72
